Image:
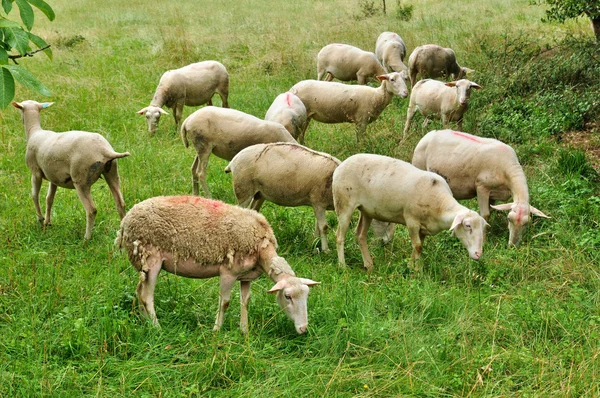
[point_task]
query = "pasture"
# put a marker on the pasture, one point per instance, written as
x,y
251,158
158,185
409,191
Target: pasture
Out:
x,y
519,322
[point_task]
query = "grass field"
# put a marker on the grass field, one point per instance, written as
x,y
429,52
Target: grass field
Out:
x,y
520,322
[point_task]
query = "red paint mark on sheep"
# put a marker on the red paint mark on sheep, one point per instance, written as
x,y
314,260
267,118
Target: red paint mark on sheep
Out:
x,y
467,136
288,99
519,214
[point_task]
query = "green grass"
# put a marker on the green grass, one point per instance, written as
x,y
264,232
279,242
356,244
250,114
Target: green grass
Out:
x,y
520,322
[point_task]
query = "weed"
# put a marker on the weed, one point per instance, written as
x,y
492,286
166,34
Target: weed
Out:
x,y
404,12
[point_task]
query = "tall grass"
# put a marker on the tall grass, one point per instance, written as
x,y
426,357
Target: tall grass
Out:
x,y
520,322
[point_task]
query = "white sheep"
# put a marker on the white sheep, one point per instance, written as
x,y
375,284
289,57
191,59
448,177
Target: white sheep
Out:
x,y
73,160
434,61
391,190
448,101
331,102
225,132
346,63
202,238
391,50
192,85
288,110
479,167
286,174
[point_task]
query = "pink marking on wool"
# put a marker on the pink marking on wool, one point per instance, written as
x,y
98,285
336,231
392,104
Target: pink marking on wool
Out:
x,y
288,98
519,214
467,136
211,205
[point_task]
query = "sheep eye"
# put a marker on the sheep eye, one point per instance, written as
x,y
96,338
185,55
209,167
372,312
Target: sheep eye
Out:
x,y
288,297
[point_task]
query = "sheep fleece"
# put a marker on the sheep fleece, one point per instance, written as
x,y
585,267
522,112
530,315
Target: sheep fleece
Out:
x,y
209,231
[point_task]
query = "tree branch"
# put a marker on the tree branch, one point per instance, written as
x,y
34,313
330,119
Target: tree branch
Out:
x,y
27,54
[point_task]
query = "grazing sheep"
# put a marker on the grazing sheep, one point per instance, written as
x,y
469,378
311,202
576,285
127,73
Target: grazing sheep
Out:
x,y
225,132
482,167
448,101
288,110
288,175
391,50
394,191
330,102
202,238
73,160
346,63
192,85
434,61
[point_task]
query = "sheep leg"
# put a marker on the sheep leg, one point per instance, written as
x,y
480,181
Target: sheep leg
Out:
x,y
257,202
224,96
410,113
36,185
177,113
146,285
226,283
361,79
49,202
114,184
328,77
483,199
361,129
416,239
344,218
364,222
199,171
321,226
85,196
244,300
303,132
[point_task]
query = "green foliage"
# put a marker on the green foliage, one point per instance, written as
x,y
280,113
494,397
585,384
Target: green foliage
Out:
x,y
561,10
404,12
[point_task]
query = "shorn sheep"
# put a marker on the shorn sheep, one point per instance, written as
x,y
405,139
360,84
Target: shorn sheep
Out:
x,y
448,101
346,63
289,111
391,50
192,85
479,167
434,61
391,190
286,174
225,132
331,102
73,160
202,238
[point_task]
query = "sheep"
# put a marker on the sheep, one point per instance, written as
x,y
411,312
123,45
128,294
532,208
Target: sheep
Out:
x,y
202,238
346,63
433,61
391,50
288,110
392,190
192,85
73,160
225,132
448,101
286,174
331,102
479,167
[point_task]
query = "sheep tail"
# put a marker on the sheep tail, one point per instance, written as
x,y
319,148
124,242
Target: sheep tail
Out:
x,y
118,155
184,136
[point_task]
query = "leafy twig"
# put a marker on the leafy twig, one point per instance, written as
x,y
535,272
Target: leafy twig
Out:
x,y
27,54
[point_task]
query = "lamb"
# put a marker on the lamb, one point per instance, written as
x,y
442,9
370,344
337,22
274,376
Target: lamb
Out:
x,y
434,61
286,174
391,190
73,160
391,50
448,101
225,132
331,102
346,63
202,238
288,110
482,167
192,85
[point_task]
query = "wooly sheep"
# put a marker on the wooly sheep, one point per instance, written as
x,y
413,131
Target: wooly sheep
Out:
x,y
391,190
289,111
391,50
286,174
448,101
331,102
73,160
225,132
433,61
192,85
202,238
482,167
346,63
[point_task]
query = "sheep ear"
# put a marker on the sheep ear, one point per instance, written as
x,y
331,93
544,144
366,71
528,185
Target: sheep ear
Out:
x,y
537,212
457,221
476,86
47,105
308,282
469,71
161,110
17,105
142,111
278,286
382,77
503,206
451,84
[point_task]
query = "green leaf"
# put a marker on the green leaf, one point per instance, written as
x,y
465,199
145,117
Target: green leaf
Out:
x,y
25,77
41,43
7,87
3,56
26,13
43,7
7,6
7,23
17,38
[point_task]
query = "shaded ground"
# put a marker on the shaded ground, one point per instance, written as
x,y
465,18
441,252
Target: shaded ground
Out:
x,y
588,141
